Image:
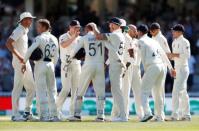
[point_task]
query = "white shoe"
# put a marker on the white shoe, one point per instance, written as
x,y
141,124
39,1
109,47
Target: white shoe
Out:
x,y
74,118
18,118
98,119
171,119
118,119
29,117
157,119
55,119
44,119
187,118
146,118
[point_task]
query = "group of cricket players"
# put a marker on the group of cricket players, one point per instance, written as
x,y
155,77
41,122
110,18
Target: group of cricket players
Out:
x,y
128,47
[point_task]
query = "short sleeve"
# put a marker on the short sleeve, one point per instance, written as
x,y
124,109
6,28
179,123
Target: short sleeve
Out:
x,y
16,34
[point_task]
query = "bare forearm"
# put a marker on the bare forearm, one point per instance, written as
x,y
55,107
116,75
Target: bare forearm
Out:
x,y
66,43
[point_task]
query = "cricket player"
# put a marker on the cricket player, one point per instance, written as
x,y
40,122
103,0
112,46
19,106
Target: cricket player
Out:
x,y
92,70
136,73
115,47
152,58
44,70
180,54
70,69
127,74
17,44
162,41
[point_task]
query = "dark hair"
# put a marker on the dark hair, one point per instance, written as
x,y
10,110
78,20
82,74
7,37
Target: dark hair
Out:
x,y
45,23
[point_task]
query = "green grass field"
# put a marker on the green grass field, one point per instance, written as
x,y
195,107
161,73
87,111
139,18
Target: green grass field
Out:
x,y
87,125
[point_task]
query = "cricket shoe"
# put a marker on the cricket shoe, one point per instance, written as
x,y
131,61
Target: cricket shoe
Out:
x,y
55,119
29,117
157,119
118,119
185,119
74,119
171,119
146,118
18,119
99,119
44,119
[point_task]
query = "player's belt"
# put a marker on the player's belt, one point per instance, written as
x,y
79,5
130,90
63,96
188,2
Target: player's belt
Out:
x,y
47,60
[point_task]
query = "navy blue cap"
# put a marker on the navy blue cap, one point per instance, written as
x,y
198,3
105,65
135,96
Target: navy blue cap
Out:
x,y
154,26
116,21
143,28
178,27
75,23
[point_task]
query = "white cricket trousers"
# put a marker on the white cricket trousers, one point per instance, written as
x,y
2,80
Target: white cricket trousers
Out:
x,y
162,91
70,79
115,72
21,80
180,98
126,88
46,89
153,79
136,87
92,72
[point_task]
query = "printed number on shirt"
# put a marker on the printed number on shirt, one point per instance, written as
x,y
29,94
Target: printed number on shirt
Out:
x,y
155,53
121,48
50,49
93,47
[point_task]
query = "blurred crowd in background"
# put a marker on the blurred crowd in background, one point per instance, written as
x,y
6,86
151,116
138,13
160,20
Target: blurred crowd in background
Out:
x,y
154,11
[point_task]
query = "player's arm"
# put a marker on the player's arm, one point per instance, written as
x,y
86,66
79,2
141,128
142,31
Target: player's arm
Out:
x,y
28,54
66,43
34,45
17,33
167,62
186,53
77,47
101,36
56,55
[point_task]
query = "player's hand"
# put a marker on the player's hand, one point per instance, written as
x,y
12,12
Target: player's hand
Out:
x,y
23,68
170,56
173,73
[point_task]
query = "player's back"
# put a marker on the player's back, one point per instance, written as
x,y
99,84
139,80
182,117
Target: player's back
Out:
x,y
48,45
94,49
149,51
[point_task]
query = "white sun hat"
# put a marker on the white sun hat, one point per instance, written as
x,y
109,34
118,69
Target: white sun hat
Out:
x,y
26,15
94,26
123,22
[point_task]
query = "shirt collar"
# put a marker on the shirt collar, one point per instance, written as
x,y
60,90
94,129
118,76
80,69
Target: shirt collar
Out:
x,y
91,32
46,32
25,29
144,36
117,30
180,37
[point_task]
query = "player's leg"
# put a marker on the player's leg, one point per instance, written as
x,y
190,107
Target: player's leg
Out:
x,y
29,85
99,86
85,79
148,81
76,71
136,87
126,88
16,92
176,95
159,97
66,85
41,91
184,104
115,72
52,91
